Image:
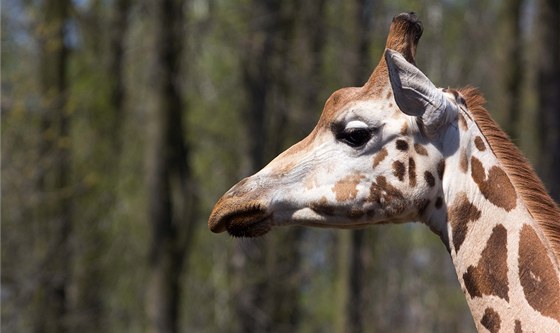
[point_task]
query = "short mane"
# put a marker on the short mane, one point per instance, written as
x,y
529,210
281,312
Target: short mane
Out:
x,y
525,180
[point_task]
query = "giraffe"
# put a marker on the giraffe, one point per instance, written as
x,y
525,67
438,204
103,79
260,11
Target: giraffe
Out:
x,y
398,149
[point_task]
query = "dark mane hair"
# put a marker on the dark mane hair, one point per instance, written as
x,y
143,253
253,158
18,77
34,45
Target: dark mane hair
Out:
x,y
526,182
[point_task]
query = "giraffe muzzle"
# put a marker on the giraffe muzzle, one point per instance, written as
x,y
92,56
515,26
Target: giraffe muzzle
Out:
x,y
240,219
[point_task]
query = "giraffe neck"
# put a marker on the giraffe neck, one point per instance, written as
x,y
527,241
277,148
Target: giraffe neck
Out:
x,y
505,265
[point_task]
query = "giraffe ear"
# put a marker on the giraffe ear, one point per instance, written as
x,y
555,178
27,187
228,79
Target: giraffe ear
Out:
x,y
415,94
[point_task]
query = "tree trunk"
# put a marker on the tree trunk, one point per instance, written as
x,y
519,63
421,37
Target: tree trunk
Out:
x,y
54,213
548,88
512,70
170,192
315,25
364,61
119,26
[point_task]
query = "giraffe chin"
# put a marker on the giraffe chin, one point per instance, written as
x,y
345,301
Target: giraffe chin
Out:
x,y
255,229
248,227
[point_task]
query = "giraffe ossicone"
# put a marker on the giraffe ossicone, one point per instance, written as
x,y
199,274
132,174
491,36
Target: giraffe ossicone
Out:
x,y
399,149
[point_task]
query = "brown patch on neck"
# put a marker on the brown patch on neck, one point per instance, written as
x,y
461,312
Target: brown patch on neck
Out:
x,y
463,122
537,275
517,328
497,188
491,320
479,143
464,161
489,277
460,214
420,150
525,181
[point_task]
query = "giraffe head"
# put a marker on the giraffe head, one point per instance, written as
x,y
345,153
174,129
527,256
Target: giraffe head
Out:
x,y
375,155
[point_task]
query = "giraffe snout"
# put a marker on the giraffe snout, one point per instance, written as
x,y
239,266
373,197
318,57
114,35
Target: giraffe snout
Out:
x,y
239,218
241,211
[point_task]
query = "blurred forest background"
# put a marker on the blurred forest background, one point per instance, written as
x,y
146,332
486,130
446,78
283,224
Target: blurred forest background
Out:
x,y
124,121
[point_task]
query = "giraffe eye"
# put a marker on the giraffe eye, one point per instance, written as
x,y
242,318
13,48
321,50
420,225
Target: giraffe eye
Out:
x,y
355,137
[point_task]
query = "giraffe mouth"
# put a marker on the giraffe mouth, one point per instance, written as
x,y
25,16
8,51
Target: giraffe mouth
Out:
x,y
249,220
250,223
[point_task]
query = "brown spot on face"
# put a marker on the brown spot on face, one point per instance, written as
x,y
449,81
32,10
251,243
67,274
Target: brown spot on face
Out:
x,y
389,95
420,150
429,178
441,169
517,328
491,320
399,170
537,275
497,188
489,277
412,172
479,143
460,214
387,197
379,157
390,105
462,122
346,188
402,145
439,202
464,161
404,129
322,206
